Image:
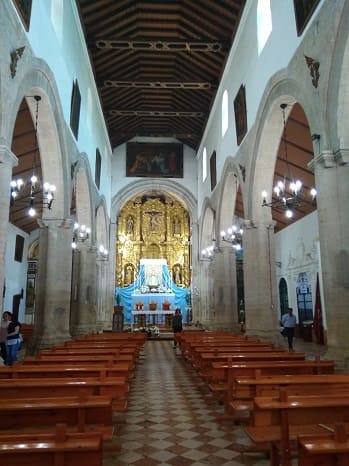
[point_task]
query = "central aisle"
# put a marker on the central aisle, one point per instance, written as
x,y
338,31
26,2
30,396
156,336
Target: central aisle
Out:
x,y
169,422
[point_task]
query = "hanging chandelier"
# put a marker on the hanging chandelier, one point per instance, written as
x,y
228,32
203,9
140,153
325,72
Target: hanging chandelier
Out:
x,y
28,193
234,236
80,233
287,193
209,251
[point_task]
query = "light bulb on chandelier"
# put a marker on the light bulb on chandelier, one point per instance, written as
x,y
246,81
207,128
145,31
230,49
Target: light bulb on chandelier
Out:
x,y
32,193
287,198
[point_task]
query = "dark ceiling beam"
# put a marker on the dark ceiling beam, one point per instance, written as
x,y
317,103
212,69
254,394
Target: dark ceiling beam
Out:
x,y
128,134
159,45
297,146
155,113
159,84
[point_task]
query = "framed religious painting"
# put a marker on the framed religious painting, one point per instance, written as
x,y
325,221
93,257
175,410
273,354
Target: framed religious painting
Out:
x,y
240,114
154,160
303,10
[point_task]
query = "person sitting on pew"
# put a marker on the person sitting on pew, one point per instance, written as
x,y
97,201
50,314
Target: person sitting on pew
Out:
x,y
12,340
288,321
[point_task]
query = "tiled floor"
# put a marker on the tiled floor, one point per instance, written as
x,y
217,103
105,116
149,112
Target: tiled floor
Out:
x,y
170,422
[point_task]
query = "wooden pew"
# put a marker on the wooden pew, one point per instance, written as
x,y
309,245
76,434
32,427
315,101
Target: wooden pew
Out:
x,y
117,355
115,387
327,449
297,384
279,421
223,352
227,371
79,359
222,375
59,448
98,370
79,413
206,359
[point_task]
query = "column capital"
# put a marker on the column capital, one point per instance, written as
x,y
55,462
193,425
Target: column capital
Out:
x,y
342,156
66,223
327,159
7,156
255,224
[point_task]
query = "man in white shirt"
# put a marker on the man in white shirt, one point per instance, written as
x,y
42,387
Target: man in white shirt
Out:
x,y
288,321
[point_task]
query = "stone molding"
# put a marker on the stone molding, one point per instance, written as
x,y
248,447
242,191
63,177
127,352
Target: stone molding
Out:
x,y
7,156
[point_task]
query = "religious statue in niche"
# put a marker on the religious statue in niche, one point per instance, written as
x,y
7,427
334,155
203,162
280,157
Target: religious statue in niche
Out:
x,y
177,274
129,274
176,226
129,225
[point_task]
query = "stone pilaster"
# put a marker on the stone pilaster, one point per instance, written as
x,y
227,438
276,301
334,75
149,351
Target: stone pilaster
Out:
x,y
7,161
260,280
103,310
84,321
52,306
331,175
225,314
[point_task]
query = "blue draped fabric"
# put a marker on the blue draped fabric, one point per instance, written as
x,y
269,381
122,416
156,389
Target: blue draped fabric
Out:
x,y
127,294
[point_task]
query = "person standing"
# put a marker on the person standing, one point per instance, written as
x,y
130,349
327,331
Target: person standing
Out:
x,y
288,321
3,335
12,340
177,325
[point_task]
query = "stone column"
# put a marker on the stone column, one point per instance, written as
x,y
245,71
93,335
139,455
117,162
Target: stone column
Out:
x,y
331,175
195,274
52,305
84,321
7,161
260,280
225,315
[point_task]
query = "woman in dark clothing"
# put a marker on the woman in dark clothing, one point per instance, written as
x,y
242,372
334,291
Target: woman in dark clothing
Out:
x,y
12,341
176,325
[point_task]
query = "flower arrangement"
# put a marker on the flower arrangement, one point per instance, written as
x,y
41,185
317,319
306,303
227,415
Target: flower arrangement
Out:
x,y
152,331
139,306
152,305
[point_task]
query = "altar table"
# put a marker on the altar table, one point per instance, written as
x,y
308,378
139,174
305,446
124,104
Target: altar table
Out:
x,y
151,317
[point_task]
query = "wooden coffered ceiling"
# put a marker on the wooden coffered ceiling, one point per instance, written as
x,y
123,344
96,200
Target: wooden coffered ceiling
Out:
x,y
158,64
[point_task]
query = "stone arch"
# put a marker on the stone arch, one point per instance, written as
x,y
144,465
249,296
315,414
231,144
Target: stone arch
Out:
x,y
178,191
102,229
230,182
83,195
208,226
37,79
268,137
338,89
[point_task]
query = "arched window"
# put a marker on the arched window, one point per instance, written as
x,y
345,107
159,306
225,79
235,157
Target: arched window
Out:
x,y
225,117
204,164
264,23
304,298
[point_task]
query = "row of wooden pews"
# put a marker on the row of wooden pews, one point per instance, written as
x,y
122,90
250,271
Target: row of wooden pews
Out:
x,y
285,400
57,407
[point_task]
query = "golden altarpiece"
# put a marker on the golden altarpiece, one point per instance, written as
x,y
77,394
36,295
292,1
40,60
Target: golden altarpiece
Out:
x,y
153,226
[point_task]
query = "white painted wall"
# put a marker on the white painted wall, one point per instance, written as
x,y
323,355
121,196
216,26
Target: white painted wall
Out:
x,y
64,51
244,66
120,181
297,250
16,272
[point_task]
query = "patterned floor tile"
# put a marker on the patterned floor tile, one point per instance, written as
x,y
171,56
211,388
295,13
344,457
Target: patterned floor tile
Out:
x,y
171,419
